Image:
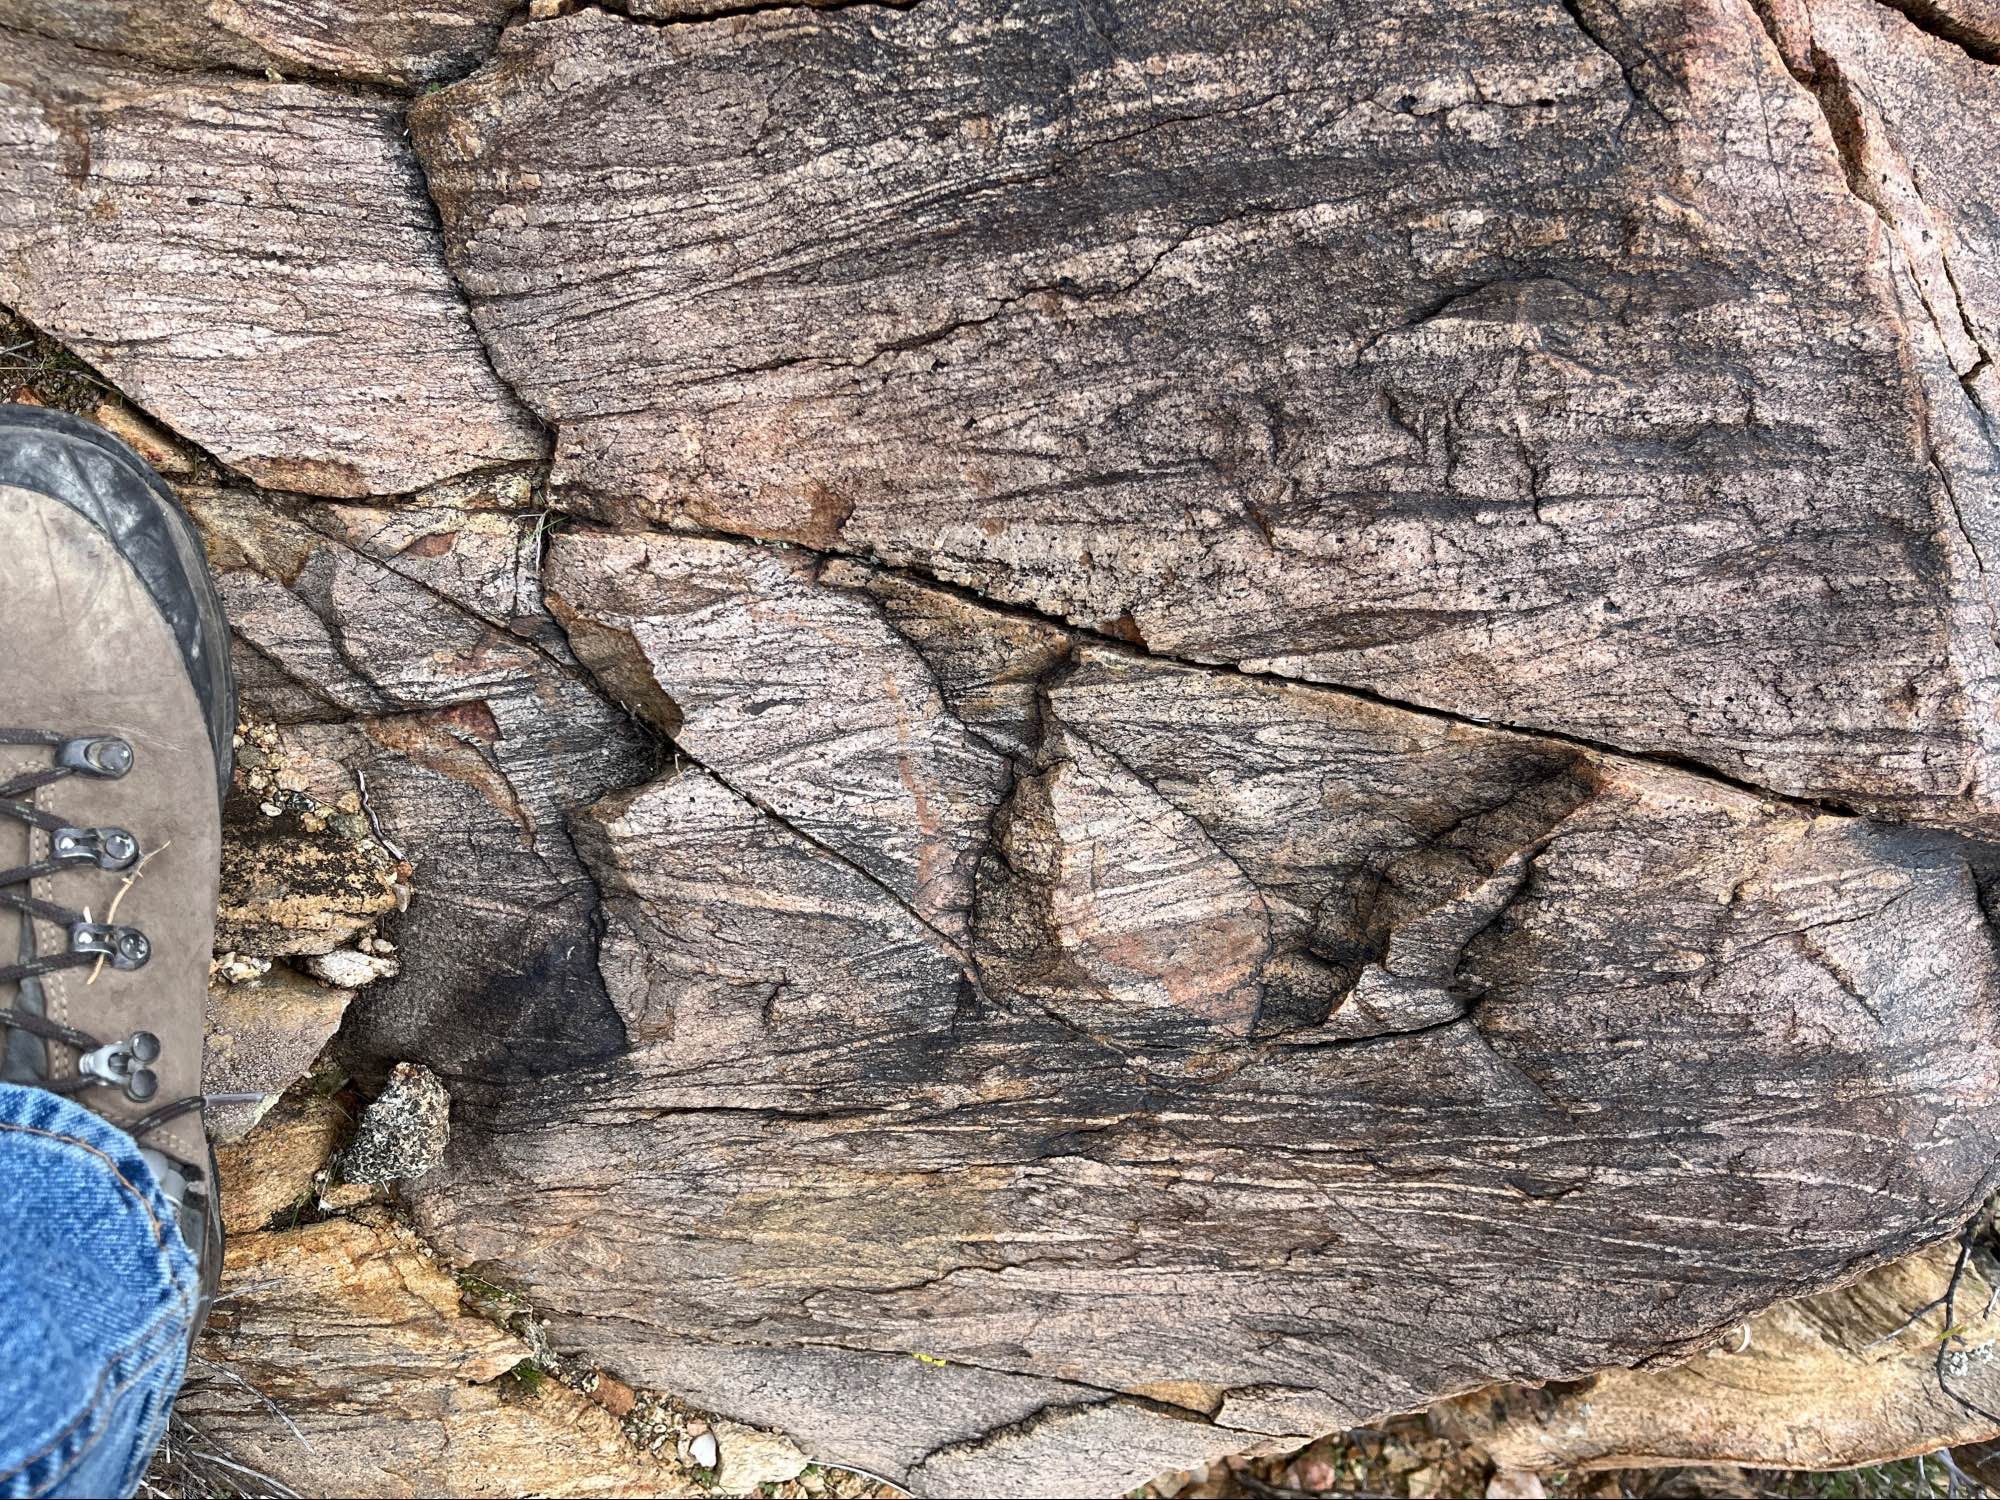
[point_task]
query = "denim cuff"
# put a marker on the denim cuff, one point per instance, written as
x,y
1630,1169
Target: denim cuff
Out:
x,y
98,1290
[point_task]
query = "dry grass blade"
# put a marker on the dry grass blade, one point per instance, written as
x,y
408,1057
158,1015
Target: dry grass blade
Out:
x,y
111,911
271,1406
190,1464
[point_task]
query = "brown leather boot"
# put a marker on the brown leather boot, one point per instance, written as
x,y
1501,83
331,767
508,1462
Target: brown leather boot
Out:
x,y
117,711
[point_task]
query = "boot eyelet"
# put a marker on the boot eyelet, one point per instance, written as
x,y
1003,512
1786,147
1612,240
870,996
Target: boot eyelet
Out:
x,y
126,947
107,848
102,755
123,1064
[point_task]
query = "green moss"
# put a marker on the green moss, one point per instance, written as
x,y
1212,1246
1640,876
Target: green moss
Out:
x,y
479,1286
524,1382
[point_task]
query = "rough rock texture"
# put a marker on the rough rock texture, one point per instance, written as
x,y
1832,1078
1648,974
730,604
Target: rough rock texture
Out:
x,y
403,1133
1392,1052
1531,362
1217,718
1973,25
288,889
1935,191
178,232
271,1168
263,1035
375,41
747,1458
1847,1377
387,1387
404,657
351,967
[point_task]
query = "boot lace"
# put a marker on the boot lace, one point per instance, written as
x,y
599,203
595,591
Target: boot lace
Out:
x,y
121,1063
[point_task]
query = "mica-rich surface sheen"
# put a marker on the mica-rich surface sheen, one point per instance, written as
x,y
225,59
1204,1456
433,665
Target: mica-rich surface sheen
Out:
x,y
1215,719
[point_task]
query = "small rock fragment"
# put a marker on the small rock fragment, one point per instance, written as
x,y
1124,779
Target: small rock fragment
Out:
x,y
1312,1470
614,1395
404,1132
341,1196
235,968
272,1167
345,968
702,1450
1514,1484
264,1028
749,1458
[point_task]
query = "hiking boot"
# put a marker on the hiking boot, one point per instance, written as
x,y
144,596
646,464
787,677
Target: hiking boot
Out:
x,y
117,711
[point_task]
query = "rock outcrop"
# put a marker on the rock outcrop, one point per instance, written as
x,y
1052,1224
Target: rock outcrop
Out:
x,y
253,262
366,41
1082,735
1025,1031
1846,1377
342,1363
1538,363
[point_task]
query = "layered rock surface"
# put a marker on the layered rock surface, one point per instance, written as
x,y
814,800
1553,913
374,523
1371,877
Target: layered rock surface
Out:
x,y
1535,363
404,654
1216,718
254,262
370,41
385,1385
1392,1051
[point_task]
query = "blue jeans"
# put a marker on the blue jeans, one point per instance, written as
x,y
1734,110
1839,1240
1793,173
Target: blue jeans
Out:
x,y
97,1294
